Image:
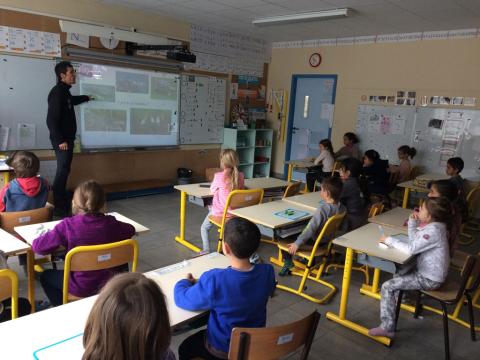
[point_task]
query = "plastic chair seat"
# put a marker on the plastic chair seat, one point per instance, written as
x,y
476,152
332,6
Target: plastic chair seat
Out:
x,y
447,292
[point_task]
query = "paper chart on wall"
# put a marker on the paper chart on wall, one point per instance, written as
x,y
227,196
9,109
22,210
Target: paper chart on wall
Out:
x,y
374,123
3,37
34,42
16,39
26,136
4,133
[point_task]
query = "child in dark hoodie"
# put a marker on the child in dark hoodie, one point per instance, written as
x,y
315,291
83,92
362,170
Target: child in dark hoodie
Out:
x,y
27,191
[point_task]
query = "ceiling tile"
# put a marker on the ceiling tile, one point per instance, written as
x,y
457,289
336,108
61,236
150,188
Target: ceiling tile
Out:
x,y
415,6
473,5
241,4
205,5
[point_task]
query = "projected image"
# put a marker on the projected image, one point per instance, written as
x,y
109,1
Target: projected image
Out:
x,y
105,120
163,89
132,82
99,92
150,121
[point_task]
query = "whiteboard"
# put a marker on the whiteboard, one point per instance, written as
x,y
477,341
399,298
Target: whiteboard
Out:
x,y
385,129
444,133
24,87
202,109
436,133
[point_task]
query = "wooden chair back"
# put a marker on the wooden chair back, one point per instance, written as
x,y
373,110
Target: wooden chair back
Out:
x,y
9,289
8,220
99,257
336,167
376,209
414,172
292,189
274,342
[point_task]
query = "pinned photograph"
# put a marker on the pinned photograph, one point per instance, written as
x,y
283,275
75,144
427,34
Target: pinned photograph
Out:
x,y
435,100
435,123
458,100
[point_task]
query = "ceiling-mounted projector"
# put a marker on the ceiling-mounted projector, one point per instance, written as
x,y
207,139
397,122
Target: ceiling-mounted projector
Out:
x,y
174,52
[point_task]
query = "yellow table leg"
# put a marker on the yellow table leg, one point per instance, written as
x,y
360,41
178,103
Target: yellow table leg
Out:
x,y
181,237
31,279
406,194
341,317
290,171
376,280
6,177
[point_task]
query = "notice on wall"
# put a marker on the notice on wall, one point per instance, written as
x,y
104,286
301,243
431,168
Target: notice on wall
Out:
x,y
34,42
3,37
16,39
26,136
4,133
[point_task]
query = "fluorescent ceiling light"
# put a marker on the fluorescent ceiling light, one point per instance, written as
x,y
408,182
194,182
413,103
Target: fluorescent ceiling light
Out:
x,y
300,17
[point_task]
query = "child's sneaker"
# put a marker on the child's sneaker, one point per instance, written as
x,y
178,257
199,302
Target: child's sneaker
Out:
x,y
287,265
42,305
379,331
255,259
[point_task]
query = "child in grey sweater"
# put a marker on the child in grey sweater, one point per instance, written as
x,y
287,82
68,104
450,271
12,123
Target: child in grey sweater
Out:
x,y
331,189
430,245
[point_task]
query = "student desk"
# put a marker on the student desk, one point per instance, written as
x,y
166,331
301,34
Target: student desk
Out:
x,y
395,218
31,232
310,200
363,240
270,224
10,245
199,195
58,330
297,164
410,186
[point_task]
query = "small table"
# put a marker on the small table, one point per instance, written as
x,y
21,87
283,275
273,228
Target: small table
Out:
x,y
199,195
23,337
364,240
310,200
297,164
10,245
33,231
395,218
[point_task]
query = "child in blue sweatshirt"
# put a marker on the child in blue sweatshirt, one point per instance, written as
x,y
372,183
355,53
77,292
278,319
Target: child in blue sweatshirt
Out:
x,y
236,296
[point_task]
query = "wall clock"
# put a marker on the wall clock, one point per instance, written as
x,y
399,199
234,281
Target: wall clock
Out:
x,y
315,60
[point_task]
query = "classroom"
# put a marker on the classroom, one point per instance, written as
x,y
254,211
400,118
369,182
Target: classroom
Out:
x,y
250,179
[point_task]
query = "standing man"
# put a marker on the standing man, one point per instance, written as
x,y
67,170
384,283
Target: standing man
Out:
x,y
62,124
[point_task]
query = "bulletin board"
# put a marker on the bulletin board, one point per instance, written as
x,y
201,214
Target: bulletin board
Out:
x,y
385,128
436,133
202,109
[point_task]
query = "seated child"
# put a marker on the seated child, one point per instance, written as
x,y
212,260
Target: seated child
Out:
x,y
353,196
405,153
375,170
236,296
88,226
331,189
27,191
447,189
430,245
223,183
129,320
324,165
350,140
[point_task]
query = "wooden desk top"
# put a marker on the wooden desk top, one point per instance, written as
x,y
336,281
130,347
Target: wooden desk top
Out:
x,y
10,245
264,214
365,240
395,218
31,232
265,183
23,336
410,185
309,200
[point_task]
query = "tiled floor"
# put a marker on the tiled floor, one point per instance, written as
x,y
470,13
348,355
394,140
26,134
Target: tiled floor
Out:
x,y
416,338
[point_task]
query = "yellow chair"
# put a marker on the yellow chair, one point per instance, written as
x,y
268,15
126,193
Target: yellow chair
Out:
x,y
8,220
313,271
9,289
292,189
235,200
98,257
274,342
336,167
471,224
376,209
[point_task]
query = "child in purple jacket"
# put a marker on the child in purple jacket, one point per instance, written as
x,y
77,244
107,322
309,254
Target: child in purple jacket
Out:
x,y
88,226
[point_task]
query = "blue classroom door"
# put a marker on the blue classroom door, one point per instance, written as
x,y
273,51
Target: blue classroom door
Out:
x,y
311,105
